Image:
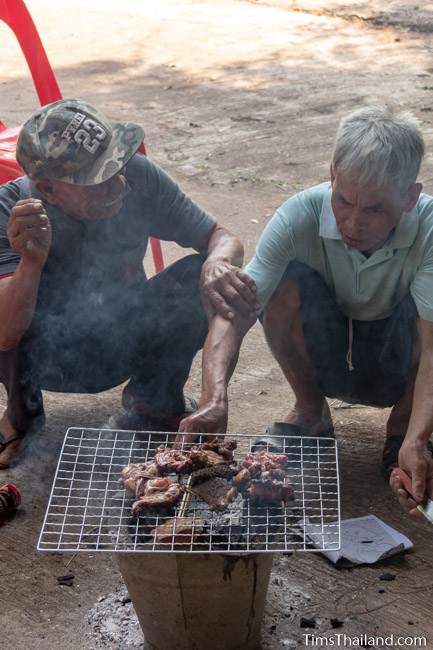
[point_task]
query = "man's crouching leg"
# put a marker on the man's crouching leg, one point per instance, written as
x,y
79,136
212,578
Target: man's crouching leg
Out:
x,y
401,412
283,329
173,328
25,411
408,352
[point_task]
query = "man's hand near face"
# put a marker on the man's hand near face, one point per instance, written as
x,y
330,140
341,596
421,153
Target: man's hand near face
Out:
x,y
29,232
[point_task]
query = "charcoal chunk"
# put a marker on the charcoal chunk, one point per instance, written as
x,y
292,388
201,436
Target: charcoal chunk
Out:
x,y
387,577
308,622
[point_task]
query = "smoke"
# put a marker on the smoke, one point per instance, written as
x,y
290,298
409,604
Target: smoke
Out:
x,y
99,323
33,468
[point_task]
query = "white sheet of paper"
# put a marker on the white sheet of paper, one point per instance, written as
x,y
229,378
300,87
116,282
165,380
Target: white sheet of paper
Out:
x,y
364,540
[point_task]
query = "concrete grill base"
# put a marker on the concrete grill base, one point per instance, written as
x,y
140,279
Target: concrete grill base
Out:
x,y
198,602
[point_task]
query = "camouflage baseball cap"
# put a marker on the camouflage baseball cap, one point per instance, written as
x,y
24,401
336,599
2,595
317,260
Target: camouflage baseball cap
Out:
x,y
71,141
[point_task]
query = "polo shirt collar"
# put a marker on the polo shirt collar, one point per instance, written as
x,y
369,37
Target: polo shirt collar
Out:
x,y
407,229
403,237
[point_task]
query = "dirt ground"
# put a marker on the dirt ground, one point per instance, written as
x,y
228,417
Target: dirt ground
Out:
x,y
240,101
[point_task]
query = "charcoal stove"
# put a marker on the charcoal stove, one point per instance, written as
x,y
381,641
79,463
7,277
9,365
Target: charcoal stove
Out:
x,y
212,588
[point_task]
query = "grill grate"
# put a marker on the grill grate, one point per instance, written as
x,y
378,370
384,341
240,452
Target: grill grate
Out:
x,y
89,510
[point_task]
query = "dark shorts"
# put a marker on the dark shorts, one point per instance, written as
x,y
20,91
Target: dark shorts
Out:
x,y
152,342
381,349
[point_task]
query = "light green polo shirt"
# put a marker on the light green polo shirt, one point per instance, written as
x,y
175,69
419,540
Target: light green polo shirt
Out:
x,y
366,288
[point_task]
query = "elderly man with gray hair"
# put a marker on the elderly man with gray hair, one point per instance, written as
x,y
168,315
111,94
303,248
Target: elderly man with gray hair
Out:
x,y
344,277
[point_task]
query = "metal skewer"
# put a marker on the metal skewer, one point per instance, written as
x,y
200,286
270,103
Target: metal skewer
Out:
x,y
186,499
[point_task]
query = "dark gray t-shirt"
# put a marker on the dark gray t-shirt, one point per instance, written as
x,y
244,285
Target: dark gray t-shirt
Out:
x,y
92,265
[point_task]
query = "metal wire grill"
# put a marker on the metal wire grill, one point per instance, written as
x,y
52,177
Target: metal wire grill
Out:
x,y
89,510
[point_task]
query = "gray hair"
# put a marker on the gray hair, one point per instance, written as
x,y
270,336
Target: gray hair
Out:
x,y
378,147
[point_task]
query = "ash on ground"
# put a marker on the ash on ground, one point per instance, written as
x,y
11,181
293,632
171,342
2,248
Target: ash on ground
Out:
x,y
114,623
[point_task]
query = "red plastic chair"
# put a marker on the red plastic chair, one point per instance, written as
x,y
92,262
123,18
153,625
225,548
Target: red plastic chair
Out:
x,y
15,14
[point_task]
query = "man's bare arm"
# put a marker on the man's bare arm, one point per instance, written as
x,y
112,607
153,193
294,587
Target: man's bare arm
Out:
x,y
18,295
29,233
222,244
414,457
220,355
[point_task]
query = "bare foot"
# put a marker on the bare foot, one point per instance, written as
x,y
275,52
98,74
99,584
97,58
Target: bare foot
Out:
x,y
9,432
312,421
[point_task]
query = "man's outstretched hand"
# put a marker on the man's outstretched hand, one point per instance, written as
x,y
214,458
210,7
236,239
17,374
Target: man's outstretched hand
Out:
x,y
209,418
227,289
416,460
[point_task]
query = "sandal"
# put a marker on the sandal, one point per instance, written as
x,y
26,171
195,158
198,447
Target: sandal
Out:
x,y
4,444
390,452
275,445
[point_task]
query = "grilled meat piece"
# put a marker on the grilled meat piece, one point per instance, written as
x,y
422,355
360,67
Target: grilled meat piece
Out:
x,y
245,475
181,530
205,458
172,460
216,492
269,492
158,493
261,464
266,459
212,453
183,462
261,477
129,475
136,472
206,473
223,448
278,474
254,471
198,458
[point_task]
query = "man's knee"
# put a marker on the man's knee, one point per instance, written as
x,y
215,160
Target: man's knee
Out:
x,y
299,282
284,305
187,270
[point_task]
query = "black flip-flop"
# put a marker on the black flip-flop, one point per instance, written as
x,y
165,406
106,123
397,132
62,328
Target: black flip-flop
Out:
x,y
4,444
269,442
390,453
190,404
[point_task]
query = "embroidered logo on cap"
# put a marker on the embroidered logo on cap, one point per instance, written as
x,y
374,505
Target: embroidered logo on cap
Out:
x,y
85,132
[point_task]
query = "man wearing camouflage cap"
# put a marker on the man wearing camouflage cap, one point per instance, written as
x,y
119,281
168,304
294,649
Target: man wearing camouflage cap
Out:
x,y
78,314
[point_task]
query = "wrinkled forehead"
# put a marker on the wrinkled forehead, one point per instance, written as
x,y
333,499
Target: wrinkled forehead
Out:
x,y
352,191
